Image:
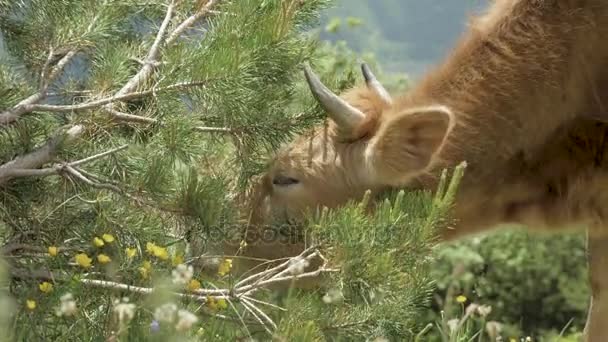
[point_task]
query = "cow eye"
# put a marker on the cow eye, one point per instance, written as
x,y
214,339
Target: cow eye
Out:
x,y
284,180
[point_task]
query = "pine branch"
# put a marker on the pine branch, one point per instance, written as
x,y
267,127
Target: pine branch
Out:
x,y
249,304
109,100
13,247
40,156
75,173
126,117
127,92
45,69
97,156
263,303
201,13
214,129
12,114
137,289
152,60
16,172
255,314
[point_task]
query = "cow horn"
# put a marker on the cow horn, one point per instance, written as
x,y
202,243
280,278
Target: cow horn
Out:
x,y
337,108
375,85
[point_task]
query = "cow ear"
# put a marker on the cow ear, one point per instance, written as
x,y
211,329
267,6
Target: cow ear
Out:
x,y
406,144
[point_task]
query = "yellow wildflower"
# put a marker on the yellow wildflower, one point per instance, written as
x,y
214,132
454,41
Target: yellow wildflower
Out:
x,y
211,303
194,285
224,267
30,304
109,238
130,252
45,287
222,304
215,304
150,246
97,242
161,253
144,270
157,251
53,250
177,259
83,260
103,259
461,299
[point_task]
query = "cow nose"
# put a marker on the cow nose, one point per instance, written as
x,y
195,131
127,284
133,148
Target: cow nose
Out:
x,y
281,180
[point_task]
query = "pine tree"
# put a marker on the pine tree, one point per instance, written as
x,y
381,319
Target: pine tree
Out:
x,y
128,131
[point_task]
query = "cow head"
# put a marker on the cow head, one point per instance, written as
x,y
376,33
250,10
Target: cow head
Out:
x,y
370,142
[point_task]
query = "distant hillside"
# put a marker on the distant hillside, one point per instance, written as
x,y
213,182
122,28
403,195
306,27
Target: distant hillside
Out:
x,y
405,35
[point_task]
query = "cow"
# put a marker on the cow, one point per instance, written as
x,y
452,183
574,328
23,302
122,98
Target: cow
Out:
x,y
521,98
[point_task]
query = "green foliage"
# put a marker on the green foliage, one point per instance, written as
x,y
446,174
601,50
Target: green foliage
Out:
x,y
533,283
151,182
221,97
385,260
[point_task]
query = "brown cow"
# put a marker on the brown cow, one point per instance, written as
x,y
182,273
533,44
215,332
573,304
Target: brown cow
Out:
x,y
510,100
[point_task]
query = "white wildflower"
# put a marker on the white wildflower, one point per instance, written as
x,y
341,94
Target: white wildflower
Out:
x,y
493,329
182,274
185,320
381,339
471,309
484,310
67,305
332,296
453,325
124,310
297,265
165,312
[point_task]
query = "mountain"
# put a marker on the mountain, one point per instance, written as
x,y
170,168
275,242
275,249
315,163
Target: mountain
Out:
x,y
405,35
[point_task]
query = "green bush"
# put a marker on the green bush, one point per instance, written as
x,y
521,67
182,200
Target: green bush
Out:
x,y
533,282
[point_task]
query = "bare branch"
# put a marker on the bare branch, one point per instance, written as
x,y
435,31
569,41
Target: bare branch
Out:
x,y
75,173
263,279
40,156
20,173
152,57
201,13
275,269
263,303
136,289
255,315
126,117
12,247
259,312
39,274
58,168
116,98
214,129
61,65
12,114
152,60
90,104
275,280
98,156
45,69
